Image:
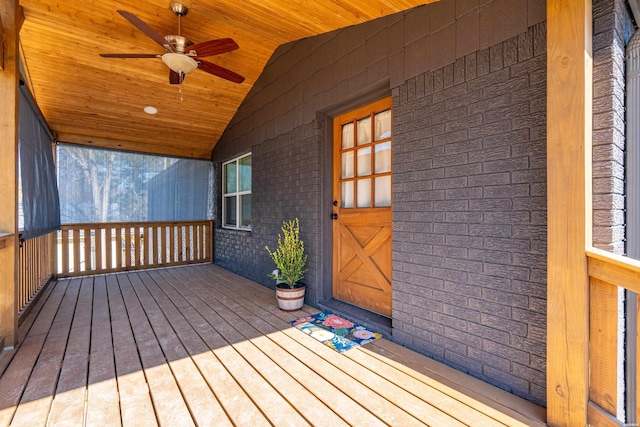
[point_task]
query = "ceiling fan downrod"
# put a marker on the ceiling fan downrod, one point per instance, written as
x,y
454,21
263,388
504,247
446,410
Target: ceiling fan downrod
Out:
x,y
179,10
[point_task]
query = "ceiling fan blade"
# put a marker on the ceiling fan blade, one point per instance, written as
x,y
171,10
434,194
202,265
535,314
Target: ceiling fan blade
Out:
x,y
219,71
130,55
213,47
175,78
145,28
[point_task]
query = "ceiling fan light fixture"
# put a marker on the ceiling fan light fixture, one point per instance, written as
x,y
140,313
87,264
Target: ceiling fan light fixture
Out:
x,y
179,62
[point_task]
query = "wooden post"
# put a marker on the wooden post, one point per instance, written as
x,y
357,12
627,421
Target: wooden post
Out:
x,y
9,15
569,127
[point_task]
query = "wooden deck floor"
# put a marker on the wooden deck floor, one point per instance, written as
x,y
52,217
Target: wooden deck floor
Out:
x,y
201,346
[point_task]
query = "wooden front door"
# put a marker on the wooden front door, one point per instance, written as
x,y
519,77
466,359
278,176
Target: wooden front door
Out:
x,y
362,207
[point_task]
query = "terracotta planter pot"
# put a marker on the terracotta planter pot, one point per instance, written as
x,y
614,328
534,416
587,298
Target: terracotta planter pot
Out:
x,y
290,299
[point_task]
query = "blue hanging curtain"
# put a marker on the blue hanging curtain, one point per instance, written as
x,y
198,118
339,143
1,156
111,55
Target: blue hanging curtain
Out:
x,y
40,202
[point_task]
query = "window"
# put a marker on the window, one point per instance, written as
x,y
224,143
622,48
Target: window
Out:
x,y
236,194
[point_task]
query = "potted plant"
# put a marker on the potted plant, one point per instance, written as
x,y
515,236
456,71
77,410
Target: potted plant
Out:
x,y
290,261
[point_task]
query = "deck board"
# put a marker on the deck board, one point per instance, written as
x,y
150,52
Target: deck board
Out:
x,y
16,376
167,399
68,407
199,345
103,403
136,406
41,386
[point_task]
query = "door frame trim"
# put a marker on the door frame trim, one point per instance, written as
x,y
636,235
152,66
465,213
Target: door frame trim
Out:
x,y
324,118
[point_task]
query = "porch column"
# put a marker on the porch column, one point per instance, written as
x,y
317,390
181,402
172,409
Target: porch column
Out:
x,y
569,99
9,17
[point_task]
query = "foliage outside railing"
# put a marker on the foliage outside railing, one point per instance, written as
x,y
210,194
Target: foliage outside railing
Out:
x,y
36,266
85,249
607,272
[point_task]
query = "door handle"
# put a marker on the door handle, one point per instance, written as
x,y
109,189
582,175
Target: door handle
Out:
x,y
334,216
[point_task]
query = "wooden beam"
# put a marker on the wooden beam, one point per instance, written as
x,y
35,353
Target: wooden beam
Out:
x,y
569,99
8,173
134,146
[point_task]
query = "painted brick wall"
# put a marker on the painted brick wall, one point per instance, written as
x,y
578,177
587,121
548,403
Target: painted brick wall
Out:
x,y
285,184
470,213
469,177
612,28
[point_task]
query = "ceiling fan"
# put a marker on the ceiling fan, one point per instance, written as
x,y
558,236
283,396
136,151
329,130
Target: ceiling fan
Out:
x,y
182,56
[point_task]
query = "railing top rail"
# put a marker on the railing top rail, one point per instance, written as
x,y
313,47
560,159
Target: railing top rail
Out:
x,y
614,269
630,264
99,225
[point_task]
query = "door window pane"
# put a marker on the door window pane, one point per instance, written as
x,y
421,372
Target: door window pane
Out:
x,y
364,193
364,161
383,191
364,131
347,164
383,125
347,194
245,173
383,157
347,136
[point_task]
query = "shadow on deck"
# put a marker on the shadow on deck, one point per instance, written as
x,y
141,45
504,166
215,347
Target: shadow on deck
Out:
x,y
200,345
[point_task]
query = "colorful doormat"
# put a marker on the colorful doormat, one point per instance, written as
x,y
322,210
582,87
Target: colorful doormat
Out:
x,y
334,331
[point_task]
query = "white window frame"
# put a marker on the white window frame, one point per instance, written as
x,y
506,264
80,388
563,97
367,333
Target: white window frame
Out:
x,y
236,195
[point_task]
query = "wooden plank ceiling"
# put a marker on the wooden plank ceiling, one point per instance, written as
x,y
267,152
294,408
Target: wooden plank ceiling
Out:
x,y
88,99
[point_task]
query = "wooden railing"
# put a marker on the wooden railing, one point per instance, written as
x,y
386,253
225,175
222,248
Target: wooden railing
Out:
x,y
36,267
607,272
104,248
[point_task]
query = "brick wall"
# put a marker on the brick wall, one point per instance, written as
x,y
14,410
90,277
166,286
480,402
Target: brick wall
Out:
x,y
469,205
469,213
285,184
612,28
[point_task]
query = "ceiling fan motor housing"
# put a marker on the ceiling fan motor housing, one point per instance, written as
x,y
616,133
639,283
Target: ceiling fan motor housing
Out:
x,y
178,43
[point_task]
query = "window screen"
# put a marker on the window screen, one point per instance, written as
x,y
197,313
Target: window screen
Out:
x,y
39,208
99,185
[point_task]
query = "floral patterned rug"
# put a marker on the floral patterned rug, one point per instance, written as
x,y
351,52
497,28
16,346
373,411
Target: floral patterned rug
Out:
x,y
334,331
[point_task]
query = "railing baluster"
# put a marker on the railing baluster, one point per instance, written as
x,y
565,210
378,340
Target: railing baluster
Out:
x,y
141,246
129,251
98,249
153,242
164,245
189,243
76,251
198,229
88,264
117,247
181,245
172,244
108,247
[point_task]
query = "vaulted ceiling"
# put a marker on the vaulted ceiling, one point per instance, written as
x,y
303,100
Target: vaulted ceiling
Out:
x,y
89,99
